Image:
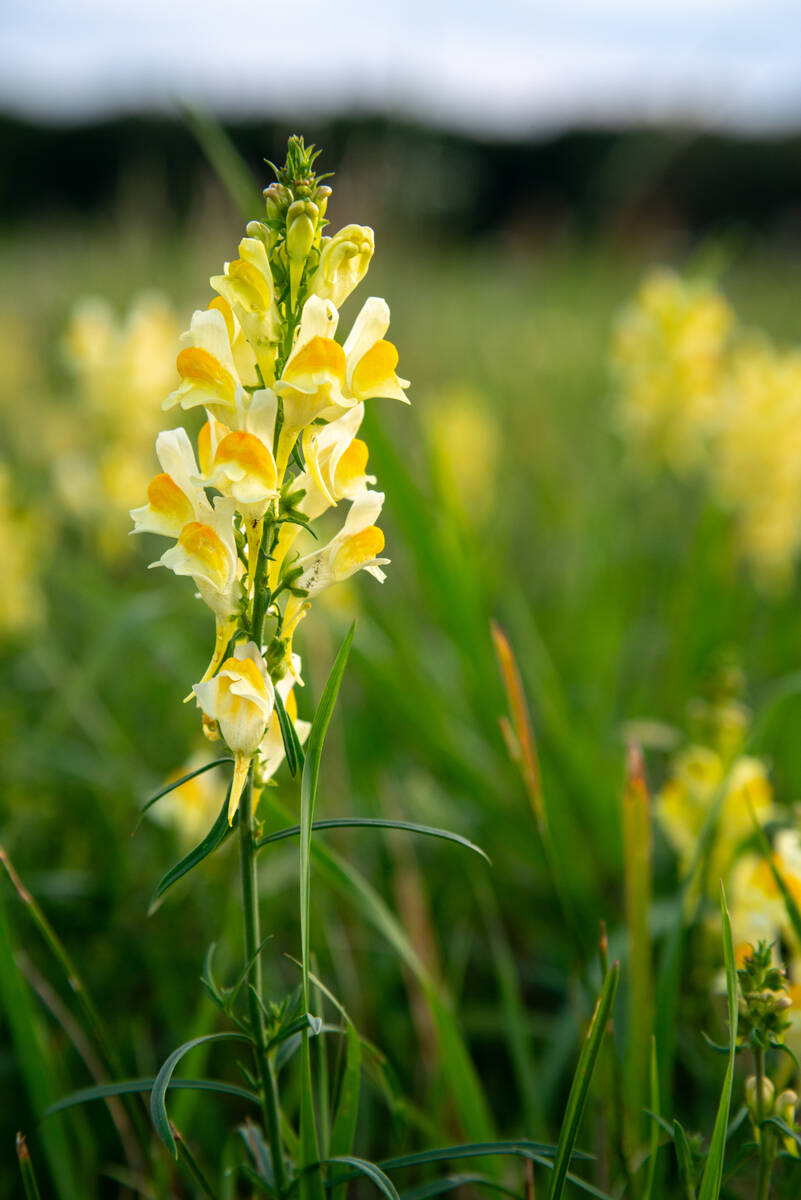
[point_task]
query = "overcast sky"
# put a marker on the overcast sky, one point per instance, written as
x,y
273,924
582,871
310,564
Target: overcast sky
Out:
x,y
499,65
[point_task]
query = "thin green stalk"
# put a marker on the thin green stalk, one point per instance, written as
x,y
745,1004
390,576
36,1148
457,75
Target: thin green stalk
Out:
x,y
193,1167
767,1139
250,909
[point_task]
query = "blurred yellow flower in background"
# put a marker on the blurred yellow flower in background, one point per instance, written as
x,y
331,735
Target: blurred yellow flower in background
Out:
x,y
669,355
23,539
756,465
465,447
696,391
122,370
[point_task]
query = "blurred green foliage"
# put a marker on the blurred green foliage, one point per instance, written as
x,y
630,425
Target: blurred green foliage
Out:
x,y
617,595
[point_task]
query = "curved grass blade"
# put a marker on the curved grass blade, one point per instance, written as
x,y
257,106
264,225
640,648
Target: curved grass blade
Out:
x,y
580,1087
308,794
171,787
127,1087
375,823
449,1182
713,1171
219,831
311,1184
363,1167
158,1110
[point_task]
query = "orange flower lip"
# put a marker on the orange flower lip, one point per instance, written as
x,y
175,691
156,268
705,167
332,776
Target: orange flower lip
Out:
x,y
198,366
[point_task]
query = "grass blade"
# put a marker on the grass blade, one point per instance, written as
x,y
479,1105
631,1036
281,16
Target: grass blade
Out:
x,y
219,831
382,1182
580,1087
311,1183
713,1171
127,1087
653,1148
343,1130
26,1169
308,794
637,875
685,1160
20,1020
226,161
158,1109
375,823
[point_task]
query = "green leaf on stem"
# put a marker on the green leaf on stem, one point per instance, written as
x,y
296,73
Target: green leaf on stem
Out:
x,y
158,1109
127,1087
218,833
171,787
289,735
684,1158
375,823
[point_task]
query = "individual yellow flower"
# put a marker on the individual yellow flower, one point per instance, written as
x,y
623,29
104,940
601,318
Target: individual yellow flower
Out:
x,y
247,285
344,259
356,547
321,378
174,498
240,698
209,376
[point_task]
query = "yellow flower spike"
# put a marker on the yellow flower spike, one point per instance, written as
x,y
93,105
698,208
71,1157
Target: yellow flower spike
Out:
x,y
344,259
240,698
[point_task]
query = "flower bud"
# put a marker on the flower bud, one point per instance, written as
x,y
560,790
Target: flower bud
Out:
x,y
786,1103
752,1101
301,225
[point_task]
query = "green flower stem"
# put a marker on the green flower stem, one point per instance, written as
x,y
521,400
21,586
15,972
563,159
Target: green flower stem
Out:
x,y
250,909
767,1140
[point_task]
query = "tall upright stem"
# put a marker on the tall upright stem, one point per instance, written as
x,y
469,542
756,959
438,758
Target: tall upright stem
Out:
x,y
767,1141
250,910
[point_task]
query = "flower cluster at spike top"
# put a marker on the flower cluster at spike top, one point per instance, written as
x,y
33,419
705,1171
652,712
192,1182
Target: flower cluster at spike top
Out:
x,y
283,402
700,395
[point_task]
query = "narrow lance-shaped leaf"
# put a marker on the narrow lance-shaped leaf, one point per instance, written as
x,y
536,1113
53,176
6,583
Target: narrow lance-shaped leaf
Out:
x,y
375,823
580,1087
158,1109
713,1171
218,833
176,783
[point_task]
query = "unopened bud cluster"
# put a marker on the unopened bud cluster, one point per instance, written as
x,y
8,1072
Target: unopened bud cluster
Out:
x,y
763,1001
